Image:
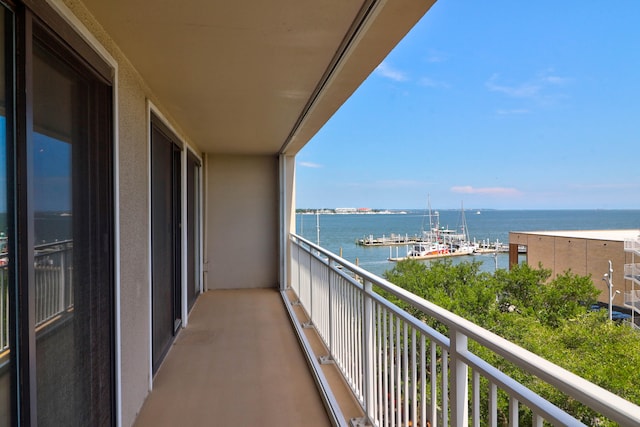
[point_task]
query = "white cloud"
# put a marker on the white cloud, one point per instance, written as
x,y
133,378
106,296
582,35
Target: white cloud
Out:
x,y
492,191
310,165
523,90
514,111
530,89
434,56
555,80
385,70
400,183
429,82
393,184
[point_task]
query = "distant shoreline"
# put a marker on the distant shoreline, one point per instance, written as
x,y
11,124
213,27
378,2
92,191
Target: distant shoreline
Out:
x,y
333,212
337,211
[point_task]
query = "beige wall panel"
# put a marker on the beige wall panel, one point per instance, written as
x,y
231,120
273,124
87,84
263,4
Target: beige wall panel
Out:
x,y
134,253
290,211
583,256
242,213
519,238
570,254
541,249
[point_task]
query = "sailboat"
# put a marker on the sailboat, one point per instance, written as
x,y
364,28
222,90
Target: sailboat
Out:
x,y
462,243
432,243
442,242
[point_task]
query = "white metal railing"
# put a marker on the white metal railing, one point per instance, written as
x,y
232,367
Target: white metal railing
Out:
x,y
632,299
632,245
632,272
404,372
53,268
4,307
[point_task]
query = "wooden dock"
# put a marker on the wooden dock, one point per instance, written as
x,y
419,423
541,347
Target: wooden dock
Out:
x,y
391,240
480,251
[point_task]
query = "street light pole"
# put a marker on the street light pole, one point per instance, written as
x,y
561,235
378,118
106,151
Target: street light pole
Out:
x,y
607,278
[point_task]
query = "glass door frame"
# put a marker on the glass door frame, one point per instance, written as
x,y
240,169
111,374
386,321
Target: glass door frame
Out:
x,y
35,19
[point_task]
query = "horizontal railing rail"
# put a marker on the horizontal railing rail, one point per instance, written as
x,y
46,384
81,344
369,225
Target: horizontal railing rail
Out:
x,y
53,277
632,245
404,372
4,307
632,299
53,268
632,272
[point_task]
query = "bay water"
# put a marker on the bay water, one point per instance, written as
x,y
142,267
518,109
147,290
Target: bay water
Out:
x,y
338,232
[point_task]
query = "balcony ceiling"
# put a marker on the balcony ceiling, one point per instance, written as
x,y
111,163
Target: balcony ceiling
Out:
x,y
243,77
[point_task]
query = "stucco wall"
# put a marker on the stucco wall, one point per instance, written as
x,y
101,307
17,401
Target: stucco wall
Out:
x,y
133,166
134,252
242,222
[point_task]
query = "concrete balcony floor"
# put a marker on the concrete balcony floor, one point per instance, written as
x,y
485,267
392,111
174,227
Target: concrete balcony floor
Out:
x,y
239,363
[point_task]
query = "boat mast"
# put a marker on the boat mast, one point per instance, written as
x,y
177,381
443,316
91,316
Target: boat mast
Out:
x,y
465,230
430,235
423,216
430,218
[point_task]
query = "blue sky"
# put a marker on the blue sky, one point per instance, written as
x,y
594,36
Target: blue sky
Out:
x,y
497,104
52,177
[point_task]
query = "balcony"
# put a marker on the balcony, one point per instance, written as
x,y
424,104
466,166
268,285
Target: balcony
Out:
x,y
632,300
237,363
632,272
401,370
632,245
53,264
363,360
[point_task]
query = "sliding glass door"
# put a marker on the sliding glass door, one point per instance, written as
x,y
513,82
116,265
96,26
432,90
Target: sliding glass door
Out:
x,y
7,351
193,228
70,279
56,225
166,238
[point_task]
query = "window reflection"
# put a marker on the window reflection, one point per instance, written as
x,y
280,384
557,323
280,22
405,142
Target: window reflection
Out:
x,y
62,217
53,251
5,353
62,342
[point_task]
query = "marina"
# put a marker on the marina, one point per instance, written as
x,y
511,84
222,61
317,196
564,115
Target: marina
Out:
x,y
339,232
436,241
391,240
424,251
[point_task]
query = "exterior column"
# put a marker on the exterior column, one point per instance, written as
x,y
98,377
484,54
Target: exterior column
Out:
x,y
286,165
513,254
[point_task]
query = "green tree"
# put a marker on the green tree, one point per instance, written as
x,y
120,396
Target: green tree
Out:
x,y
547,317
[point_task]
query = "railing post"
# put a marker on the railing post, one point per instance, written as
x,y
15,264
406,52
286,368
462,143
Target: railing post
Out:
x,y
330,308
298,284
4,310
368,346
310,288
459,381
62,284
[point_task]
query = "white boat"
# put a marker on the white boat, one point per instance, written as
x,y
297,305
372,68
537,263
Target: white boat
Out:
x,y
459,242
465,247
426,249
440,242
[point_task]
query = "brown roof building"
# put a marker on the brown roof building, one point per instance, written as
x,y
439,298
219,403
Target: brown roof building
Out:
x,y
584,252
